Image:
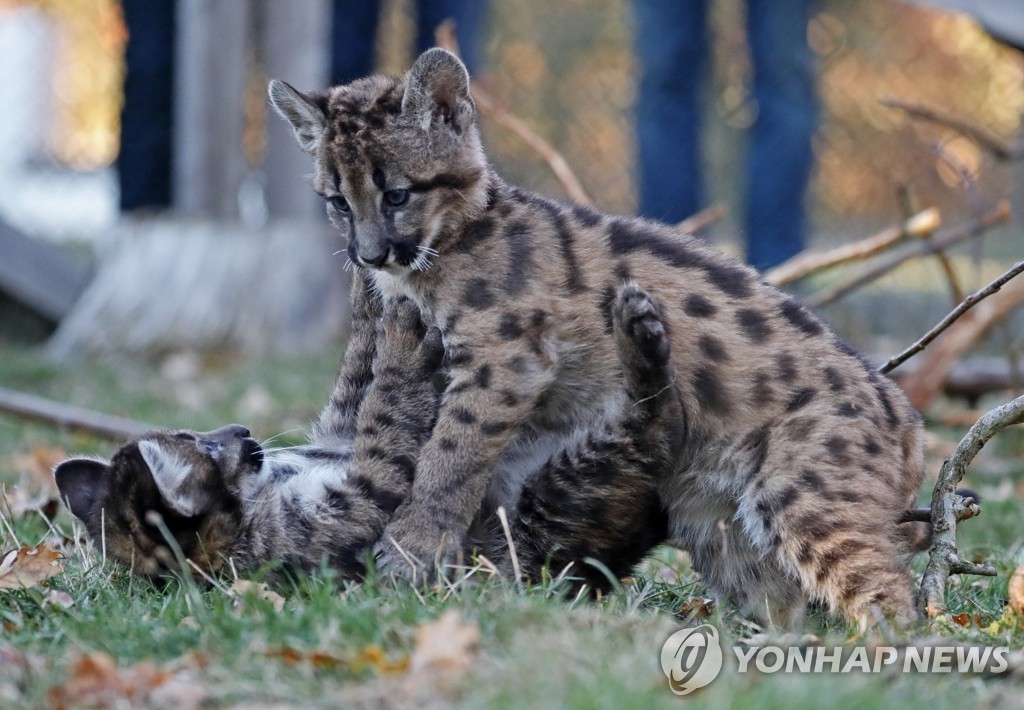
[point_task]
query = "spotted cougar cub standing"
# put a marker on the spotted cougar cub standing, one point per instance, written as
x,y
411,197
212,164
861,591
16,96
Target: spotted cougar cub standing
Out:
x,y
796,459
218,497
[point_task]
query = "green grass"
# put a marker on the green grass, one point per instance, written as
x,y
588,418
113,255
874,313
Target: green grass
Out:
x,y
331,648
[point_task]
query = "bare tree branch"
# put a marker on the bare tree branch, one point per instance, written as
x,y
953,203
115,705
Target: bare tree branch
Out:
x,y
906,200
999,148
28,406
929,377
965,305
444,35
802,265
964,232
947,504
703,219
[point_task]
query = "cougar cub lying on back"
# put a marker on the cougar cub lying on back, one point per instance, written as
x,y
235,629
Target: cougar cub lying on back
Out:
x,y
217,496
796,459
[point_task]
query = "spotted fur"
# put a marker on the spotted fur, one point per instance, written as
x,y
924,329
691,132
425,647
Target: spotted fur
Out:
x,y
796,459
217,496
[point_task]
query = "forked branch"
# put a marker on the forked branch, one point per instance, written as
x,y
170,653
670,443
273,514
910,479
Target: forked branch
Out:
x,y
947,504
922,224
956,235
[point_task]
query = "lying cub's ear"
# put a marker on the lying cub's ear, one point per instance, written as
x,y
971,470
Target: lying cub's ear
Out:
x,y
171,477
81,482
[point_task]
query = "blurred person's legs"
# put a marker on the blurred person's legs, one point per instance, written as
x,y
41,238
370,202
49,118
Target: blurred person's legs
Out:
x,y
144,160
671,45
470,16
780,156
353,38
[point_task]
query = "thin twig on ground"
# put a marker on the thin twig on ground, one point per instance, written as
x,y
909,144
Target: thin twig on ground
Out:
x,y
802,265
965,305
955,235
444,35
48,411
947,505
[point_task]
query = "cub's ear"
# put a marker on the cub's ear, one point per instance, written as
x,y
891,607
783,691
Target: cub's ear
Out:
x,y
171,477
437,87
306,112
81,482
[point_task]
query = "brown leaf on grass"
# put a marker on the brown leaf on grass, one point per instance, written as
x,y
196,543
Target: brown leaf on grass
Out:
x,y
242,588
1016,590
36,491
29,567
961,619
36,468
55,597
381,663
697,608
372,658
446,646
18,502
94,680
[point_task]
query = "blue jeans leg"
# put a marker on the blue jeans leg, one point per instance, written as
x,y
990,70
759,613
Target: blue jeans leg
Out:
x,y
144,160
671,45
353,36
470,19
780,155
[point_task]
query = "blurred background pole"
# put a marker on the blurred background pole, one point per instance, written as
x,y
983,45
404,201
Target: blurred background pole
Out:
x,y
295,37
210,87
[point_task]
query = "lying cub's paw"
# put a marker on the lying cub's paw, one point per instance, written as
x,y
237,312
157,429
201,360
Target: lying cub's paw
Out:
x,y
413,561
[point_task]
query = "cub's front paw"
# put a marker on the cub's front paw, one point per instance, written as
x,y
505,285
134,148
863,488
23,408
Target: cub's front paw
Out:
x,y
413,557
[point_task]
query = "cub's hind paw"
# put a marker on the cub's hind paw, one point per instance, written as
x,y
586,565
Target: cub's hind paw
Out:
x,y
638,318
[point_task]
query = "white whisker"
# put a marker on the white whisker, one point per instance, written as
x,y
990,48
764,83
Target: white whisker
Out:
x,y
422,261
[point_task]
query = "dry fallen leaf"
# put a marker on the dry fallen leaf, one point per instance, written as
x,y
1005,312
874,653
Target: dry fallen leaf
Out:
x,y
374,657
1016,590
961,619
697,608
244,587
94,680
55,597
28,567
36,467
444,646
18,503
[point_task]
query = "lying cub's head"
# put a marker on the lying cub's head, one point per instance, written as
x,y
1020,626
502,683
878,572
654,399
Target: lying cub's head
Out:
x,y
167,485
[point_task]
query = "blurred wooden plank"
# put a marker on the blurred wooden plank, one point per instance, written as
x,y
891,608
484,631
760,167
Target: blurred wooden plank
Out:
x,y
45,278
209,116
296,48
48,411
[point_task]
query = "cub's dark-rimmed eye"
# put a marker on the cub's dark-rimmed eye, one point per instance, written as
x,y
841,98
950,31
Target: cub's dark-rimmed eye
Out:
x,y
184,436
339,203
396,198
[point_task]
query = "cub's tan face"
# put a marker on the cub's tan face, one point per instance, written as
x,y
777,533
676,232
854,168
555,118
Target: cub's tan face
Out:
x,y
398,160
166,489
